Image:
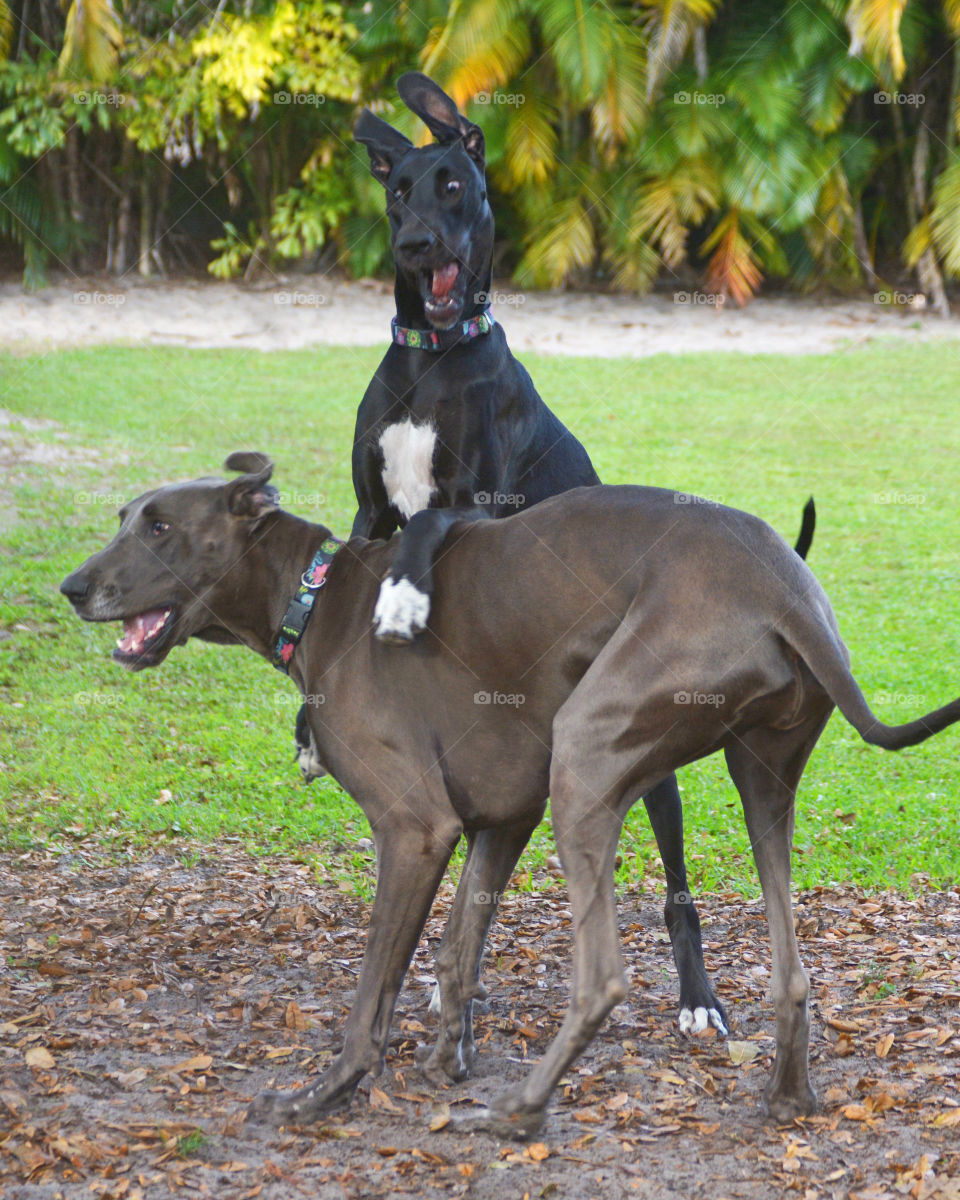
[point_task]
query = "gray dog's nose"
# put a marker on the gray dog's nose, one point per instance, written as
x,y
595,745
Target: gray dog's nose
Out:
x,y
75,587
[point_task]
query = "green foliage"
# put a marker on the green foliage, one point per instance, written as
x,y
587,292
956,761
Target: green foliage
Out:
x,y
620,136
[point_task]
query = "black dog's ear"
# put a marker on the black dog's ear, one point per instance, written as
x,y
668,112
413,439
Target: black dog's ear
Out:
x,y
440,115
384,143
251,495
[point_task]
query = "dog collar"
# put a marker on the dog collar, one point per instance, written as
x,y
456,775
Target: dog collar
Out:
x,y
301,606
438,340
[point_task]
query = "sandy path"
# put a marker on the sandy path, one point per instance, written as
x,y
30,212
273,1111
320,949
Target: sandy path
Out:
x,y
315,310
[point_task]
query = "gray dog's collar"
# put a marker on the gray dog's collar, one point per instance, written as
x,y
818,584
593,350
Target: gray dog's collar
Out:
x,y
438,340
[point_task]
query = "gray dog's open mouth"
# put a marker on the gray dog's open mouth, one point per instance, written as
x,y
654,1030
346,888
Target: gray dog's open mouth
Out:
x,y
143,636
442,298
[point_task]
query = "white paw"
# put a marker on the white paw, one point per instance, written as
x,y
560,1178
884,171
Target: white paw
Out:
x,y
401,610
435,1001
700,1019
309,763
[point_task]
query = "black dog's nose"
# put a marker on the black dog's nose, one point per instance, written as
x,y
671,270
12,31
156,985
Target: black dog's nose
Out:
x,y
417,241
75,587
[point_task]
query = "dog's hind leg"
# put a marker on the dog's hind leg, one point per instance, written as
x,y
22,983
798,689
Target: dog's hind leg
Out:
x,y
699,1007
492,855
766,765
411,860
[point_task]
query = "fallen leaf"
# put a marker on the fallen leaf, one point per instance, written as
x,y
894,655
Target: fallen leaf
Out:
x,y
40,1058
743,1052
199,1062
440,1119
883,1046
538,1151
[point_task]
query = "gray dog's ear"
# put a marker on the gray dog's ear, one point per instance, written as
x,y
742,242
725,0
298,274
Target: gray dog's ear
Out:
x,y
440,115
384,144
251,495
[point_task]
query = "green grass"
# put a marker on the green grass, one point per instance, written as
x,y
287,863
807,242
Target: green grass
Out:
x,y
201,748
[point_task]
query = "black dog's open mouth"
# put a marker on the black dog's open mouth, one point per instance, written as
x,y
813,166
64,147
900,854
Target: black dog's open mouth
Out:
x,y
442,298
143,637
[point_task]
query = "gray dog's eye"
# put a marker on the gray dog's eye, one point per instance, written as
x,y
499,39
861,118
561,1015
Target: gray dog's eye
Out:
x,y
159,527
453,185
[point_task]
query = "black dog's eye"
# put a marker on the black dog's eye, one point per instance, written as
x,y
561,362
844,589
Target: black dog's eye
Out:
x,y
453,185
158,528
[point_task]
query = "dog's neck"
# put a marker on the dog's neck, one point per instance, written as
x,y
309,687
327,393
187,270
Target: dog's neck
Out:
x,y
281,554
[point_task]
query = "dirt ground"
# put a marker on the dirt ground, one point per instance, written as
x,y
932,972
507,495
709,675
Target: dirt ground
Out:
x,y
285,313
143,1001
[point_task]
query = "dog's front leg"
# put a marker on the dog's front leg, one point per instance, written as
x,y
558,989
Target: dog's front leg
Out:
x,y
403,605
410,865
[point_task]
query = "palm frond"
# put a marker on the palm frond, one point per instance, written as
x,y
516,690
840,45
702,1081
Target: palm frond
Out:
x,y
6,28
733,269
531,144
91,39
566,244
874,27
670,26
945,218
479,47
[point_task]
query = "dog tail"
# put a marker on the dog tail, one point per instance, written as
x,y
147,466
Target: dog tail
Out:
x,y
825,655
808,524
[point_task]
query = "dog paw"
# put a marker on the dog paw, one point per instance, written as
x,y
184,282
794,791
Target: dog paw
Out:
x,y
694,1021
401,612
518,1125
308,761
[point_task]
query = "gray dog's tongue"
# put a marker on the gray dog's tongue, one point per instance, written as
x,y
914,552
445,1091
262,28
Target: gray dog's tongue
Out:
x,y
444,278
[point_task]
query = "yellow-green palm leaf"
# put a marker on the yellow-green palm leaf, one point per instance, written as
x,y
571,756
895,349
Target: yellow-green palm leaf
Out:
x,y
874,27
91,39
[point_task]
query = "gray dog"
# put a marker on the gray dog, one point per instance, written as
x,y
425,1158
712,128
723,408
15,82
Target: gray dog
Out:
x,y
613,612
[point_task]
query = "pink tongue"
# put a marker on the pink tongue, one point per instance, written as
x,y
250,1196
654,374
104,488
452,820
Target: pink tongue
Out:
x,y
444,278
139,628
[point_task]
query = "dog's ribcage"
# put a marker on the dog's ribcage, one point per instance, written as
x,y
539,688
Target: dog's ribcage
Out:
x,y
408,465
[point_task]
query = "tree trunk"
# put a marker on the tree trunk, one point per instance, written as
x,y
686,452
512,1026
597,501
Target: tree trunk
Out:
x,y
862,248
124,208
930,278
146,223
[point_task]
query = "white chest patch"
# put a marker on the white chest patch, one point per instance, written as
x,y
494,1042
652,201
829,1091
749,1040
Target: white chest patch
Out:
x,y
408,465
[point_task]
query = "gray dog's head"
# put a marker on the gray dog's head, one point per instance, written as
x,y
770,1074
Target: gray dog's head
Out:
x,y
441,226
161,572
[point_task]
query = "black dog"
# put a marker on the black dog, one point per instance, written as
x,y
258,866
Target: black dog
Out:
x,y
452,428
